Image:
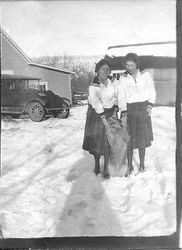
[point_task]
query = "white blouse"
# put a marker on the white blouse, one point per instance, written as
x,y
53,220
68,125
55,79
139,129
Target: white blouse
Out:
x,y
101,96
132,90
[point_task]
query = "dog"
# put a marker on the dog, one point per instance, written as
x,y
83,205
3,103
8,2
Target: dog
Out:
x,y
118,139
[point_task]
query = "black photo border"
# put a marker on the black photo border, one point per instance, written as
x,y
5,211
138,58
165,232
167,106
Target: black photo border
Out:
x,y
171,241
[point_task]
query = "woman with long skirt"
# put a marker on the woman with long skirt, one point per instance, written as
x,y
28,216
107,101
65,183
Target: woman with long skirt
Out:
x,y
136,97
102,104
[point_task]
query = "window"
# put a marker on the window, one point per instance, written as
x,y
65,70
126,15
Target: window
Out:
x,y
12,86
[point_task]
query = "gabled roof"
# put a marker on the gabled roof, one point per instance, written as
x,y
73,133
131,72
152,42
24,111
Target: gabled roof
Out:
x,y
50,68
10,40
26,58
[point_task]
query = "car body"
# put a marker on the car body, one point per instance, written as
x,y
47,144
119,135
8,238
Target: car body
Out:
x,y
18,97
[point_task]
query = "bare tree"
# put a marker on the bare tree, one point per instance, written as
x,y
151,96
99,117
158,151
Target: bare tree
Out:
x,y
82,74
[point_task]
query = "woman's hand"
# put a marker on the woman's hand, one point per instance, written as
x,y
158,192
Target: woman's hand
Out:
x,y
149,110
124,120
104,121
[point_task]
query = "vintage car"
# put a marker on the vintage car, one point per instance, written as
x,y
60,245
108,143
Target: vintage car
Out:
x,y
20,95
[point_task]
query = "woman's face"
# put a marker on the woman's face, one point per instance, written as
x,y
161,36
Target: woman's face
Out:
x,y
131,67
104,71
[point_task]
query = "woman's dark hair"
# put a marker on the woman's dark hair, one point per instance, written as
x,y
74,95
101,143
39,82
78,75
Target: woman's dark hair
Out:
x,y
132,57
96,79
101,63
98,66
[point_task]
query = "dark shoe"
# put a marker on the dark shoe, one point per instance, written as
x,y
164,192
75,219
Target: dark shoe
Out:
x,y
142,168
97,170
129,171
106,175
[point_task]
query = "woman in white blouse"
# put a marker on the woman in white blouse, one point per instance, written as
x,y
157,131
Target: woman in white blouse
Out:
x,y
136,96
102,105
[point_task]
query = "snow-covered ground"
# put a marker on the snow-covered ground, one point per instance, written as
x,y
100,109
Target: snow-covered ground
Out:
x,y
48,187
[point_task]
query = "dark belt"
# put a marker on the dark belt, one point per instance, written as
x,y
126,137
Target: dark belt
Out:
x,y
106,110
137,104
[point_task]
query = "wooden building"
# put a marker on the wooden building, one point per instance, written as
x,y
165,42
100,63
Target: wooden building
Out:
x,y
15,62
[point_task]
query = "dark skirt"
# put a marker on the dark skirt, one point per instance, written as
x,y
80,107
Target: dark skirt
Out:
x,y
95,139
139,125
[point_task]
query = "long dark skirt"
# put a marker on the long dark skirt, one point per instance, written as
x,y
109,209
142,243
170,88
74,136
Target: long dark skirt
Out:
x,y
95,140
139,125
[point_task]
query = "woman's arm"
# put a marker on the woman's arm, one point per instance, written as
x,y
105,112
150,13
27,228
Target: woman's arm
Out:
x,y
121,97
95,100
116,109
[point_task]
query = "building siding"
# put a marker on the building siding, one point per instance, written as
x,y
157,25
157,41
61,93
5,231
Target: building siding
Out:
x,y
13,62
165,84
57,81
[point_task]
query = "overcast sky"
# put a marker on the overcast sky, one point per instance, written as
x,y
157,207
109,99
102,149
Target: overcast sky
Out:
x,y
86,27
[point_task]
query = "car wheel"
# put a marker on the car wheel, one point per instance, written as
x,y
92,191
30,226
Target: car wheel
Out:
x,y
36,111
64,113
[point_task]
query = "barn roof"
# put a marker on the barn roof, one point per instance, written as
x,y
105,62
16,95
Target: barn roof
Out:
x,y
50,68
11,41
26,58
